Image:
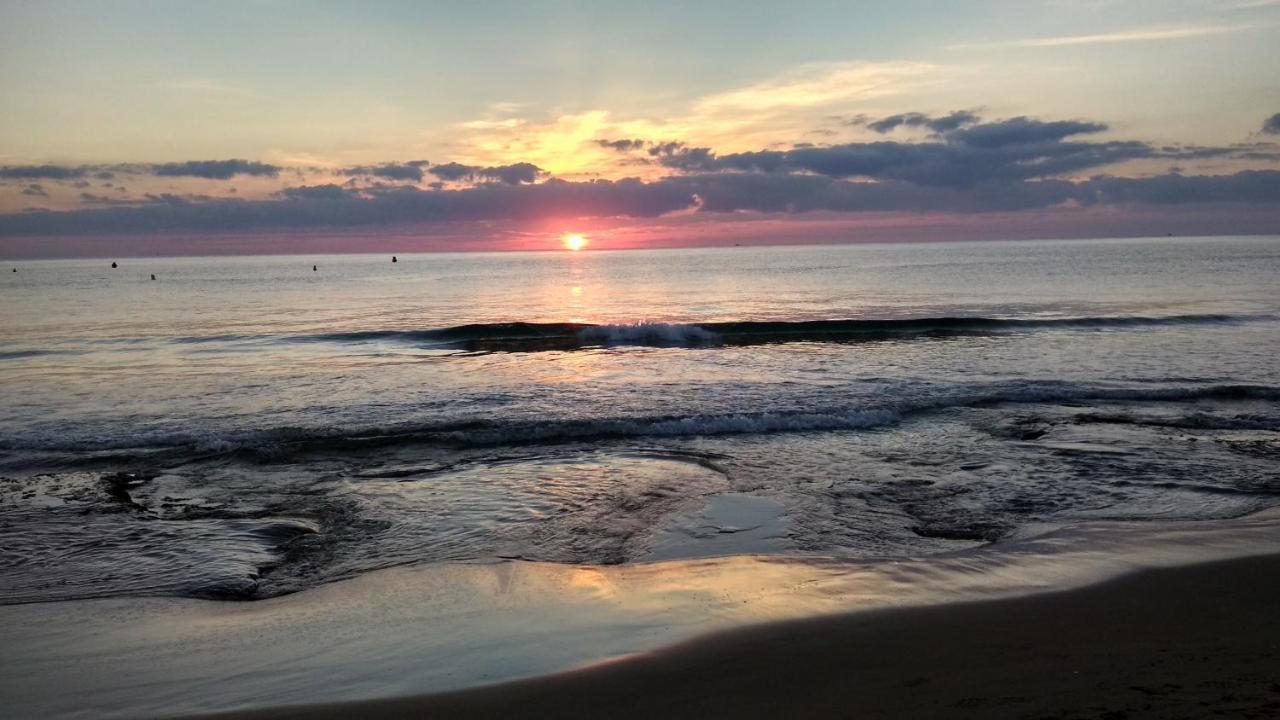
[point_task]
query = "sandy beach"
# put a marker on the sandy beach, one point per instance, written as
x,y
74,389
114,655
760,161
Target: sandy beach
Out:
x,y
1061,624
1189,642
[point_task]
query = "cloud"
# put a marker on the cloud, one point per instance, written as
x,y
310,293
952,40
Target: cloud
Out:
x,y
411,170
1123,36
942,164
515,174
208,169
579,145
967,164
971,153
35,189
94,199
942,124
621,145
453,171
334,206
1249,186
1271,125
966,127
319,192
1022,131
41,172
820,84
811,193
214,169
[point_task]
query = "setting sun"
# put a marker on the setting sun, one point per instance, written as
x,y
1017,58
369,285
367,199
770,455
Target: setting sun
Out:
x,y
573,241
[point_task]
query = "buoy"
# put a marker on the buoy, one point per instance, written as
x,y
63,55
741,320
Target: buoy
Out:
x,y
153,276
393,259
113,266
313,268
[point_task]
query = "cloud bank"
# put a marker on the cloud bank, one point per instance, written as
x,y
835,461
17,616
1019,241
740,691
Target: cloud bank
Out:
x,y
963,153
207,169
334,206
214,169
516,174
964,164
411,170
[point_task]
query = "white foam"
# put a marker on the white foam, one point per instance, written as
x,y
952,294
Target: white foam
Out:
x,y
649,334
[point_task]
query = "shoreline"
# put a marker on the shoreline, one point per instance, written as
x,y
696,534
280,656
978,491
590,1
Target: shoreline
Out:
x,y
1197,641
463,632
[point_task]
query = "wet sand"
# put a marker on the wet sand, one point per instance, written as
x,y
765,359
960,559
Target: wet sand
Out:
x,y
1187,642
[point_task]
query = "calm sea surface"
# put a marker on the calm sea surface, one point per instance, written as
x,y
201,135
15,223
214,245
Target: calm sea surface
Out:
x,y
245,427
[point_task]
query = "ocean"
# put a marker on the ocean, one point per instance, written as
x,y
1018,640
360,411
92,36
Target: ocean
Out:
x,y
243,428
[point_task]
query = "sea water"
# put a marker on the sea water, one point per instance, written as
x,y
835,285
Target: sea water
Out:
x,y
248,427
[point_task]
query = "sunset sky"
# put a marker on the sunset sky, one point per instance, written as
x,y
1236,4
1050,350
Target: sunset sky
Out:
x,y
277,126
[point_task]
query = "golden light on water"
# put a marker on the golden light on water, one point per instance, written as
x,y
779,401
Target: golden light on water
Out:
x,y
573,241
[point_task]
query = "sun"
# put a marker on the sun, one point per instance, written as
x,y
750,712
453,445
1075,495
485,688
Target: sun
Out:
x,y
573,241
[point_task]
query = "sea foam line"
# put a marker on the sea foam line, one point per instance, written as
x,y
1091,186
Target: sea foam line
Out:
x,y
488,432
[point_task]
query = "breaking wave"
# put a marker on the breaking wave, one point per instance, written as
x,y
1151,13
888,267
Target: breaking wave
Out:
x,y
527,336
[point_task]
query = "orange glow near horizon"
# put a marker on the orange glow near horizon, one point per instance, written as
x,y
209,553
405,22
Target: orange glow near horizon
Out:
x,y
573,241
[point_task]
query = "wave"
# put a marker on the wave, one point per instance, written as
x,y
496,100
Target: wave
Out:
x,y
494,432
23,354
529,336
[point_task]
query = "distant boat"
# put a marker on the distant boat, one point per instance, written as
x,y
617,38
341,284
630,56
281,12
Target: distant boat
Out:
x,y
393,259
113,266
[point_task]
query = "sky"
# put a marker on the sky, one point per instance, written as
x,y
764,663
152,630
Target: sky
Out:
x,y
266,126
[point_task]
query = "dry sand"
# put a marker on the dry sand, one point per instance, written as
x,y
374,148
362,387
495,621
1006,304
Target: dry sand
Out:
x,y
1188,642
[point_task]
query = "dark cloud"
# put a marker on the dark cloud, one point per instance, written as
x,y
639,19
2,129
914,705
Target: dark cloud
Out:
x,y
411,170
208,169
215,169
1249,186
682,157
965,154
453,171
148,199
967,166
1271,125
736,192
35,189
621,145
809,193
945,164
334,206
319,192
41,172
517,174
942,124
967,128
1021,131
513,174
172,199
666,149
